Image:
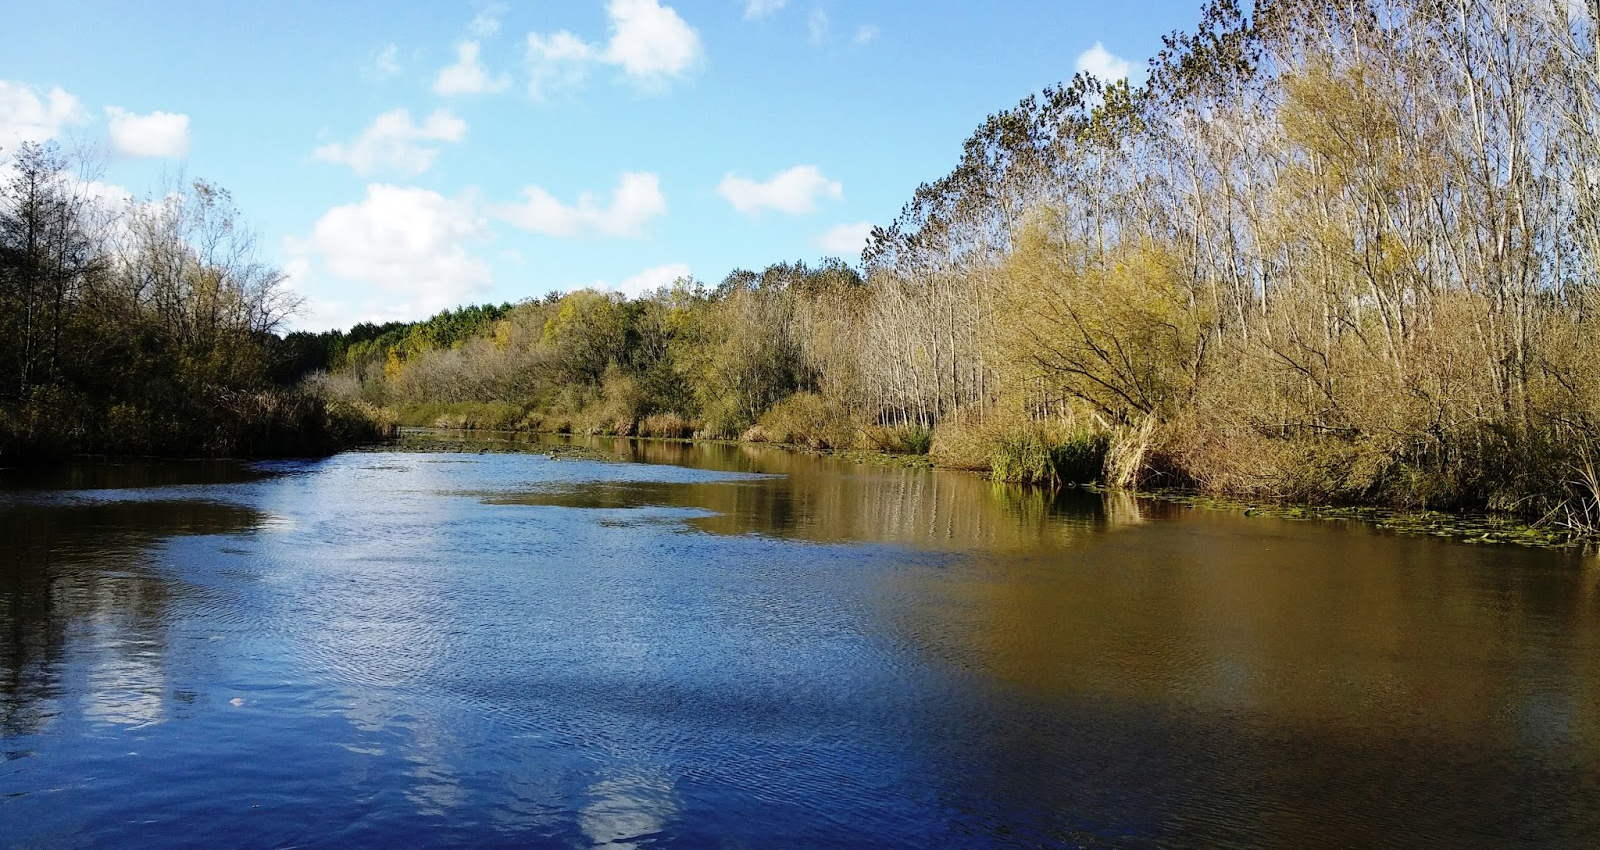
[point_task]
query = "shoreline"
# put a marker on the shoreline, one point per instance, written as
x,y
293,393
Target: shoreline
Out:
x,y
1468,528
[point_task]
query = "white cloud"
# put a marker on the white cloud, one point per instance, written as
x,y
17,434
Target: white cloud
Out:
x,y
109,195
467,75
867,34
487,22
635,201
395,143
156,134
846,240
558,60
647,281
405,250
382,64
761,8
793,191
649,43
1100,62
817,26
25,116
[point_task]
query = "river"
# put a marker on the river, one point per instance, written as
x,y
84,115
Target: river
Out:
x,y
738,647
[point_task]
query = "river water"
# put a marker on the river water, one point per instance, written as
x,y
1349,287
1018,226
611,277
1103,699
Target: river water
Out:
x,y
731,647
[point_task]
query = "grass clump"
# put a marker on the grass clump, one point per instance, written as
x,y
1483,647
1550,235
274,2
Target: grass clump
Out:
x,y
804,419
896,440
669,425
1050,455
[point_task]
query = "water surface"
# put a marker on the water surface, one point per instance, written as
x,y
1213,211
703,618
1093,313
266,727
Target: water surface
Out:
x,y
723,646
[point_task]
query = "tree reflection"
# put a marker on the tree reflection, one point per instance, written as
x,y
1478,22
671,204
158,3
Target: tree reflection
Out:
x,y
80,573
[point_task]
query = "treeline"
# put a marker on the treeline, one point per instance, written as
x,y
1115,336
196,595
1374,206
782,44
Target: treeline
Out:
x,y
1336,252
145,328
304,352
683,361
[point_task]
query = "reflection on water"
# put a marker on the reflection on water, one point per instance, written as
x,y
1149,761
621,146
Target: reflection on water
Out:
x,y
744,647
127,474
815,497
83,569
627,811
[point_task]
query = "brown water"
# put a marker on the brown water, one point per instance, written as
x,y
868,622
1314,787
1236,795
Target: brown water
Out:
x,y
736,646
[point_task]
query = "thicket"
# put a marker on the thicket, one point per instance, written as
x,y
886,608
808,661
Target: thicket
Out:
x,y
1330,252
145,328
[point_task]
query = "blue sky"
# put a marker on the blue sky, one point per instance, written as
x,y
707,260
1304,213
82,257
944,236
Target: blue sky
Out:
x,y
396,160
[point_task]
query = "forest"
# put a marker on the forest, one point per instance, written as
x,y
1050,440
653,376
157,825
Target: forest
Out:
x,y
144,328
1324,252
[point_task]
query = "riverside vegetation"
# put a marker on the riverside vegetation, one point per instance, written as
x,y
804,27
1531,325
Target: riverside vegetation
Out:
x,y
1324,253
1338,254
144,328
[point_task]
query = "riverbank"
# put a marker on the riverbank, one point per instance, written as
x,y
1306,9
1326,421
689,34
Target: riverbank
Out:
x,y
1464,527
244,426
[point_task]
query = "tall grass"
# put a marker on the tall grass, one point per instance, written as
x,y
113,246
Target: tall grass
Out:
x,y
805,419
668,425
463,415
1016,448
900,440
1045,455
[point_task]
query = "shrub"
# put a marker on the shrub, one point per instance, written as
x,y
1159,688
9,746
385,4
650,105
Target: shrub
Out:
x,y
807,419
463,415
669,425
901,439
1043,454
1015,448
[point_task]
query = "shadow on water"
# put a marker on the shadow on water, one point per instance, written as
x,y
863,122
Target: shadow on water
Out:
x,y
82,570
130,473
1213,681
819,498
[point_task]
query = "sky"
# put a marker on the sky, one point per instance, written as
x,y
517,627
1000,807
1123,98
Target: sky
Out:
x,y
399,159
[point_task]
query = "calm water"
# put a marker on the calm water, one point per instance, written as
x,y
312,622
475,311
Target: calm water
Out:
x,y
724,647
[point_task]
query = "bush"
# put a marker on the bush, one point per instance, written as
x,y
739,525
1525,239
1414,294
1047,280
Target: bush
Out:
x,y
548,423
1015,448
722,421
807,419
902,439
1043,454
463,415
668,425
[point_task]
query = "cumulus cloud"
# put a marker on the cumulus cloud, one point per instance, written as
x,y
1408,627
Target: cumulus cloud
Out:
x,y
649,43
761,8
467,75
635,201
27,116
395,143
1103,64
109,196
647,281
867,34
846,240
382,64
795,191
405,250
156,134
556,61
